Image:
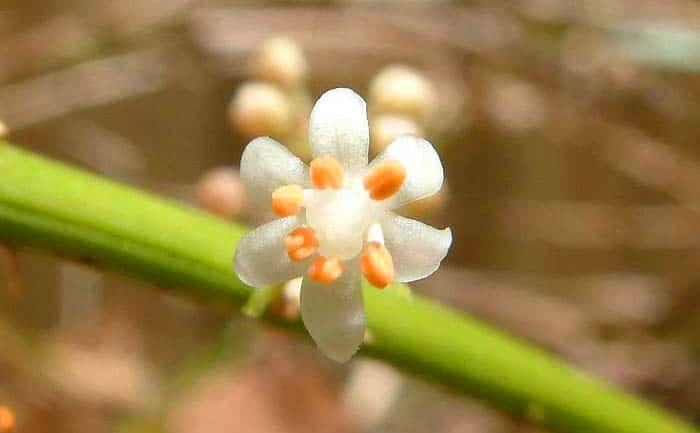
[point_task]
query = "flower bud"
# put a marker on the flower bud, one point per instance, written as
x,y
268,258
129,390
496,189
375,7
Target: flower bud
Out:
x,y
4,130
260,109
402,90
281,61
221,192
385,128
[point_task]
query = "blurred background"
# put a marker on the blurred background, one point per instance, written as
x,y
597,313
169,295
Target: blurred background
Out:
x,y
570,132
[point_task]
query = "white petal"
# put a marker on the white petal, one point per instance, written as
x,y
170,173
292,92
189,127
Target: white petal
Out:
x,y
416,248
338,127
424,173
261,257
266,165
334,314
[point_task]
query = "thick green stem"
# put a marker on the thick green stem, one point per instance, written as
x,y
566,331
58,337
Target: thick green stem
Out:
x,y
51,206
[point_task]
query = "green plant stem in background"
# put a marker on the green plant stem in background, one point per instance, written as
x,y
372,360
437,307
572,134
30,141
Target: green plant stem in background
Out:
x,y
48,205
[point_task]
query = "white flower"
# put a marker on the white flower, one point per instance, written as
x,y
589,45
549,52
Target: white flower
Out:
x,y
337,223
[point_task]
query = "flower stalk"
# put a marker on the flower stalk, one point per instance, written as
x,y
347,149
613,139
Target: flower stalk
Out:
x,y
54,207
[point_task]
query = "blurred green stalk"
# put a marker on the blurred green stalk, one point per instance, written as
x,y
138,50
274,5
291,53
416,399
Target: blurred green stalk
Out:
x,y
48,205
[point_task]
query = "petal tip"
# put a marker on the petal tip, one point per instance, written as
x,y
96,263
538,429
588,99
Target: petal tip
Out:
x,y
448,237
333,314
340,356
340,92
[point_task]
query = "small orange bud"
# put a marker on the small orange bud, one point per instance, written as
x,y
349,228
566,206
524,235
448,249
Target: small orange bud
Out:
x,y
7,420
384,179
325,269
287,200
377,265
301,243
326,172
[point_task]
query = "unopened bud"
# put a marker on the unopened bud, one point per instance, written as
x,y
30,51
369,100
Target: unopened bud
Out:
x,y
280,60
260,109
402,90
385,128
221,192
4,130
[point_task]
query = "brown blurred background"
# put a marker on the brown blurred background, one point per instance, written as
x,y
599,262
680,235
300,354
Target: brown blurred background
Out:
x,y
570,132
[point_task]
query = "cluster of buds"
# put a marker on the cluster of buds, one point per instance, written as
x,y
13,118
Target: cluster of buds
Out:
x,y
273,103
276,103
329,226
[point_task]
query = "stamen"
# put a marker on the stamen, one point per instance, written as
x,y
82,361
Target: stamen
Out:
x,y
325,269
301,243
377,265
384,179
287,200
326,172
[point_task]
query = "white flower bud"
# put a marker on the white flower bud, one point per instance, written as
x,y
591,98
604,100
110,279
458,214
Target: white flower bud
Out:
x,y
260,109
402,90
221,192
385,128
280,60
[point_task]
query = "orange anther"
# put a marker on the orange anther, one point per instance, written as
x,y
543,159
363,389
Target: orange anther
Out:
x,y
377,265
301,243
325,269
326,172
287,200
7,420
384,179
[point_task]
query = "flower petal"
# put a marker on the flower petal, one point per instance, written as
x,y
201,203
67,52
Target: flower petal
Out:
x,y
266,165
338,127
424,172
416,248
261,258
334,314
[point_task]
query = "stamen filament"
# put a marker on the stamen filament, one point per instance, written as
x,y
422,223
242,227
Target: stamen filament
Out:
x,y
326,269
377,265
384,179
287,200
326,172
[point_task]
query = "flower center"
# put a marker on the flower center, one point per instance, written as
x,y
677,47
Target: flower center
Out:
x,y
340,219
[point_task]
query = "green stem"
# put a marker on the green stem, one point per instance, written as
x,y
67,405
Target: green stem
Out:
x,y
259,300
51,206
